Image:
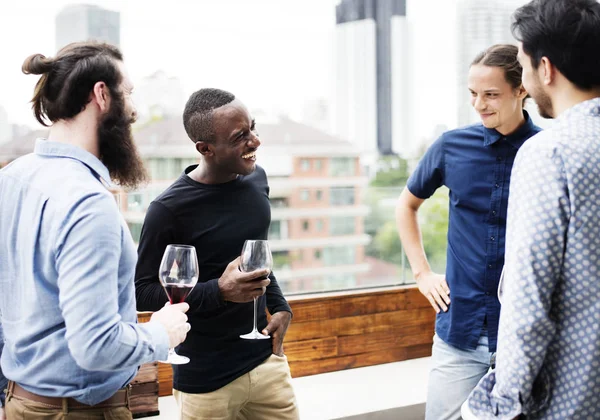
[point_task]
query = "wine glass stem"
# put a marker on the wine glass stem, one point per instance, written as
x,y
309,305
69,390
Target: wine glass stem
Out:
x,y
255,313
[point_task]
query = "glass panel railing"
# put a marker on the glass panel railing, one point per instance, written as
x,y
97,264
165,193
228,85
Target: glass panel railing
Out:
x,y
325,249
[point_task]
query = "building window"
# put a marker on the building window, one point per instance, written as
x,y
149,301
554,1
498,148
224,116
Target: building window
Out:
x,y
135,202
319,225
339,255
305,165
305,225
341,167
319,195
342,226
304,195
278,203
136,231
281,260
341,196
318,164
318,254
275,229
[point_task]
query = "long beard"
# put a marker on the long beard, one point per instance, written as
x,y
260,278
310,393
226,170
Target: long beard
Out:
x,y
118,151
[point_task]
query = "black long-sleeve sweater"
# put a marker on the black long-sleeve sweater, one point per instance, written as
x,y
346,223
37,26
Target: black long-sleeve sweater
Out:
x,y
216,219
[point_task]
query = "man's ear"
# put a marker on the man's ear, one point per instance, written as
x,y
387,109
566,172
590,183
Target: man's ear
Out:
x,y
521,92
100,96
205,148
546,71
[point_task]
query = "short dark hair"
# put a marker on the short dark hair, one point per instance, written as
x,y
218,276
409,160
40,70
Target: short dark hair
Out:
x,y
198,113
567,32
63,90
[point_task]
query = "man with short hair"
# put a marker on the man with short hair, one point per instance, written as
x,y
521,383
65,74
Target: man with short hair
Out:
x,y
215,206
67,301
548,362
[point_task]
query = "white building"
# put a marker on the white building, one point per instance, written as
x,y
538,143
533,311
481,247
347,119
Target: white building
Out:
x,y
158,96
373,73
82,22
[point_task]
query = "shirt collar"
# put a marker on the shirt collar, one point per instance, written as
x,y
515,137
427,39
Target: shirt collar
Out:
x,y
590,107
517,138
44,147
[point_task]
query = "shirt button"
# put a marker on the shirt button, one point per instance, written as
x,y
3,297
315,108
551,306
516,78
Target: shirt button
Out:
x,y
493,212
493,238
489,265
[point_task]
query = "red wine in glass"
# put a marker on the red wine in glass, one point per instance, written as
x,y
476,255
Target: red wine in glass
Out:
x,y
178,274
177,293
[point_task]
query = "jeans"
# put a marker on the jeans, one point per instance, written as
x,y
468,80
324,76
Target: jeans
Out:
x,y
454,374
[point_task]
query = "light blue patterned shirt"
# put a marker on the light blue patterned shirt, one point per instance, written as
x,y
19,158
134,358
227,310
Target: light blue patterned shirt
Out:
x,y
548,359
67,262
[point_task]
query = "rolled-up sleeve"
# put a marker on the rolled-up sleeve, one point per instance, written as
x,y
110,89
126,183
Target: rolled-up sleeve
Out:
x,y
97,337
538,218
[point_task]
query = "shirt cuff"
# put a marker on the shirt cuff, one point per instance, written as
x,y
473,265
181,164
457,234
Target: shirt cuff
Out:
x,y
488,402
159,339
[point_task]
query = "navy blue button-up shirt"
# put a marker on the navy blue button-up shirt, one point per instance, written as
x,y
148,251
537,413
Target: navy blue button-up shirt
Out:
x,y
475,163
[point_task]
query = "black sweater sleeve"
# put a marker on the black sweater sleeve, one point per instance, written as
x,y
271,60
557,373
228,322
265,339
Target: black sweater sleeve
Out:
x,y
159,230
275,300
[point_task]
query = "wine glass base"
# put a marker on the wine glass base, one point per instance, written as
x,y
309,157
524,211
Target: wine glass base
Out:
x,y
176,359
254,335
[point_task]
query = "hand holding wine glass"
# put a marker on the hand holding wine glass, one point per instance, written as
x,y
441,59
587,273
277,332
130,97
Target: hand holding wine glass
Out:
x,y
239,286
178,274
256,255
174,320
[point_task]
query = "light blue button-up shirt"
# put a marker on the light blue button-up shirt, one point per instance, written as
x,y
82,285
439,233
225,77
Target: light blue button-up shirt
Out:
x,y
67,262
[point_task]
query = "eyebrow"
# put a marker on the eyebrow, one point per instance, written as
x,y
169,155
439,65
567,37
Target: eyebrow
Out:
x,y
236,134
492,90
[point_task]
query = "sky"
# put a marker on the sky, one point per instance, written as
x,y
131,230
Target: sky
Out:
x,y
276,55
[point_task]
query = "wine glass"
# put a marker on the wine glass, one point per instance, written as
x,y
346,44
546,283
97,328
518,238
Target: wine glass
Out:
x,y
256,255
178,275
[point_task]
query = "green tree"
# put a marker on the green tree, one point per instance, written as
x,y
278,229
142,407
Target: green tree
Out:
x,y
392,171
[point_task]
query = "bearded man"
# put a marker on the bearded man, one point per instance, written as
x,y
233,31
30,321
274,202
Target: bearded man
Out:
x,y
67,299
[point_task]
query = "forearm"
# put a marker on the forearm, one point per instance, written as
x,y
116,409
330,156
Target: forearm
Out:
x,y
411,238
117,346
150,295
205,297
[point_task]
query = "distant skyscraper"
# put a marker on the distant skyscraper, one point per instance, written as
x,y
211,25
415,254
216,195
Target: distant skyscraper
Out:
x,y
83,22
480,24
372,76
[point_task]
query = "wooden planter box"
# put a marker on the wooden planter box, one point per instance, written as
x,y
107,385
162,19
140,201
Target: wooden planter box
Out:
x,y
144,392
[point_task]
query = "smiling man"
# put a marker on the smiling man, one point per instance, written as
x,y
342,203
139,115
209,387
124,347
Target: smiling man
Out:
x,y
475,164
215,206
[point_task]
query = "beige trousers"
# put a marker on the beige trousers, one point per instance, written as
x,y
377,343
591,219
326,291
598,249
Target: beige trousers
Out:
x,y
264,393
22,409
